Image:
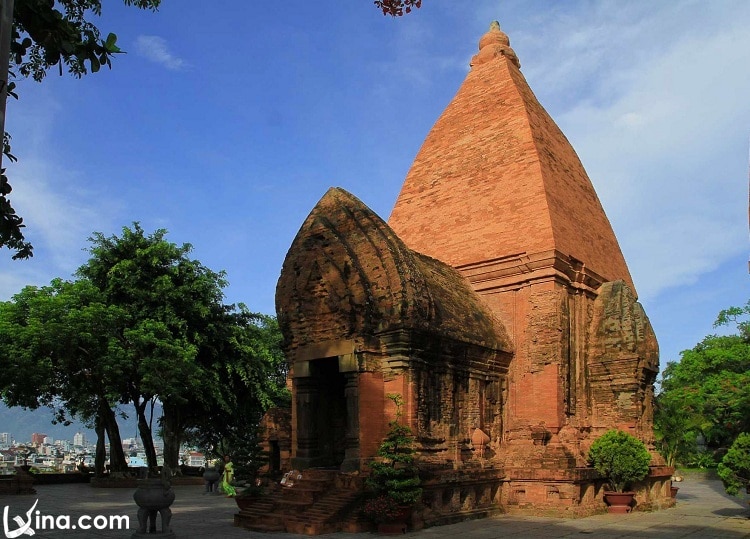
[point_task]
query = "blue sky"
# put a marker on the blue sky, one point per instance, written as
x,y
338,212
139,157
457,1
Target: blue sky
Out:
x,y
225,126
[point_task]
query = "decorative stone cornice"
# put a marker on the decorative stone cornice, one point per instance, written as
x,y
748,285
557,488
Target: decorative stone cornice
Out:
x,y
523,269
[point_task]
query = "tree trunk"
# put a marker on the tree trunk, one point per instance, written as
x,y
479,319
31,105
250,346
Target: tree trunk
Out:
x,y
145,431
172,433
101,451
118,466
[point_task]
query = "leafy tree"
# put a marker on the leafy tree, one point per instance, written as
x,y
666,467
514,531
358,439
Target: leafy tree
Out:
x,y
249,384
708,391
734,468
52,340
49,33
173,332
712,380
675,427
143,323
733,315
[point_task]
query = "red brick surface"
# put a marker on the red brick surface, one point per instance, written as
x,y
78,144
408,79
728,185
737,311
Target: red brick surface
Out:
x,y
497,299
497,177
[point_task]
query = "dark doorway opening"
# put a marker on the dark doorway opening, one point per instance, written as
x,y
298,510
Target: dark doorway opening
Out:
x,y
331,412
275,457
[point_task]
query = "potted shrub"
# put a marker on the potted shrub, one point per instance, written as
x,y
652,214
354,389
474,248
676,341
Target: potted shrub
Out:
x,y
394,478
734,468
621,459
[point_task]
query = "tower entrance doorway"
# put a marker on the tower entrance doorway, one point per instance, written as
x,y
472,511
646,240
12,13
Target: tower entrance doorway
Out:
x,y
321,415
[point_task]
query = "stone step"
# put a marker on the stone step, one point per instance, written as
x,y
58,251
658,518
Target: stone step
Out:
x,y
303,494
312,506
264,528
293,503
320,473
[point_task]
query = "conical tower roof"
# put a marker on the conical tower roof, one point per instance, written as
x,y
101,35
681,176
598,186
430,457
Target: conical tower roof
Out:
x,y
497,178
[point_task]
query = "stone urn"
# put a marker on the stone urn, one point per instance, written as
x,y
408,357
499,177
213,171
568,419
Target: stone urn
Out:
x,y
153,497
211,476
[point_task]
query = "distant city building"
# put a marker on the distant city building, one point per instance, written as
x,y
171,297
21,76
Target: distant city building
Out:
x,y
136,462
196,458
130,443
63,445
79,439
37,438
5,439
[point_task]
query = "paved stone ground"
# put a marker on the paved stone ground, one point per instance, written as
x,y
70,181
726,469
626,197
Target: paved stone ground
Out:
x,y
702,511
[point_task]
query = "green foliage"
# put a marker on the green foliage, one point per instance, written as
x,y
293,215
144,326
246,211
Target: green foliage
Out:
x,y
396,8
620,457
734,315
734,468
52,341
700,459
675,427
706,393
711,383
50,33
143,322
250,384
396,475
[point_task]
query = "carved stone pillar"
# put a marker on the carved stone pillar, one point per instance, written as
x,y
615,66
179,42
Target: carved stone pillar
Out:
x,y
306,402
351,392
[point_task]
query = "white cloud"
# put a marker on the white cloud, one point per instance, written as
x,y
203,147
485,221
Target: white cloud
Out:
x,y
58,212
155,49
59,216
655,103
62,220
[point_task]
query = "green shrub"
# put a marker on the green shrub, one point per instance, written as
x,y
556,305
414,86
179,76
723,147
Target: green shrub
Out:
x,y
396,475
621,458
701,459
734,468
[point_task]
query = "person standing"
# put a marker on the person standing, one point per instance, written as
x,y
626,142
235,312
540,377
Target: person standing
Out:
x,y
227,477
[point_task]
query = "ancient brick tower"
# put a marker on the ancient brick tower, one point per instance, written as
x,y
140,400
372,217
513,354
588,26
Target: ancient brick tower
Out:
x,y
498,192
495,300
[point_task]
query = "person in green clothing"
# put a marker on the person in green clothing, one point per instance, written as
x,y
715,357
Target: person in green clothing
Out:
x,y
227,477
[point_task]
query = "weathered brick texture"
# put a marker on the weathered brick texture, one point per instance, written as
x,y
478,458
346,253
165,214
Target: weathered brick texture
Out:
x,y
495,301
497,177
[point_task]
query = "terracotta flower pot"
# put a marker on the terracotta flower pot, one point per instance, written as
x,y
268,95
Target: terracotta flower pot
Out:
x,y
391,528
398,525
673,491
619,502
